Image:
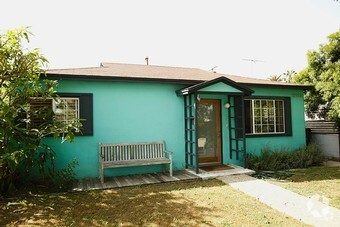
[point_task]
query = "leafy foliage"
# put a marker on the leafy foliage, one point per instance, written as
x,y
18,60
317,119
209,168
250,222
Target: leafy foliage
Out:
x,y
323,72
285,77
21,146
282,159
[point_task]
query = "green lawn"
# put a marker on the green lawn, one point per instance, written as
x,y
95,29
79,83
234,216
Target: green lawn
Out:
x,y
315,181
196,203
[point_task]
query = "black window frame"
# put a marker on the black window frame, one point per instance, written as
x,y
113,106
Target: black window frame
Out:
x,y
287,116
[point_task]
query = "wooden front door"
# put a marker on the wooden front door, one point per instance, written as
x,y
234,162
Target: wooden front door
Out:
x,y
209,131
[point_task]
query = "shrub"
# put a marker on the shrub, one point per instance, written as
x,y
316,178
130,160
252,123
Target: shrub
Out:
x,y
62,178
51,180
282,159
307,156
22,77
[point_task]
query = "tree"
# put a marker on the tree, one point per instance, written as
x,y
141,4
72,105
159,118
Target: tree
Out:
x,y
275,78
21,146
323,73
288,76
285,77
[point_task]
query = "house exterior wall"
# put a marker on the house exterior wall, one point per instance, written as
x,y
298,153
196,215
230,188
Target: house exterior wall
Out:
x,y
123,113
298,137
254,144
126,112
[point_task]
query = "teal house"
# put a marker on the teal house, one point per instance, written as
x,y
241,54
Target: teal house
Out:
x,y
204,118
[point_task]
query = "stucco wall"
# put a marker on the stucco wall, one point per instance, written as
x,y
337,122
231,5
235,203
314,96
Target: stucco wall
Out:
x,y
125,112
298,138
145,112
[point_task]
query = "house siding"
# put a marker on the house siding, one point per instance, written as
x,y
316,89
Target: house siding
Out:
x,y
125,112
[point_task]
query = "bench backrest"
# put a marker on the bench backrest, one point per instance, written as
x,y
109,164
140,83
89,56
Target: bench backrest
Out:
x,y
131,151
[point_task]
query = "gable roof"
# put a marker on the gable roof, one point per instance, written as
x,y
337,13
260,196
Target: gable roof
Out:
x,y
118,71
196,87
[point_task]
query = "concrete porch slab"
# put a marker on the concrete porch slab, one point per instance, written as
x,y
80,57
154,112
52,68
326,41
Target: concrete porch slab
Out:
x,y
220,173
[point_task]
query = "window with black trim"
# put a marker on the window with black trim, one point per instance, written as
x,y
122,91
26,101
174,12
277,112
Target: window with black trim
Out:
x,y
265,116
67,108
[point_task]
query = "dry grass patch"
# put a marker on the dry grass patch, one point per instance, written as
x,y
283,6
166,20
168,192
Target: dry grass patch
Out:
x,y
197,203
316,181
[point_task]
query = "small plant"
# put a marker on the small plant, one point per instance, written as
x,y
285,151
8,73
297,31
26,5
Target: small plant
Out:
x,y
51,180
283,159
62,178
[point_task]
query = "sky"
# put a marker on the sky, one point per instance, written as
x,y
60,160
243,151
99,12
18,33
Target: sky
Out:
x,y
218,34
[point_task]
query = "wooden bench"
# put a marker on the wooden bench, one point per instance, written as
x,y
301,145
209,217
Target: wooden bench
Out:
x,y
133,154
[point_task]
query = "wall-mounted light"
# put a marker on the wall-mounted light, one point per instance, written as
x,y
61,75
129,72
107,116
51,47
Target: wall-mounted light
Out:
x,y
198,98
227,105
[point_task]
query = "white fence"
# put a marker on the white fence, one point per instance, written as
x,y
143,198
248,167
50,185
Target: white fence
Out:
x,y
326,135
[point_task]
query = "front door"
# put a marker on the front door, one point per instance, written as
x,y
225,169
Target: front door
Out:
x,y
209,131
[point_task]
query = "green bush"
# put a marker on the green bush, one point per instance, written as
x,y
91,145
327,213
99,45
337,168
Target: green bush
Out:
x,y
22,77
282,159
51,180
62,178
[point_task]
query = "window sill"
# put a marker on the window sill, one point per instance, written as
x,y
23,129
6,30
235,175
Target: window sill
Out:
x,y
268,135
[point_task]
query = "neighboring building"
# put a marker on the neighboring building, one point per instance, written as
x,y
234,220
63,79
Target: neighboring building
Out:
x,y
205,118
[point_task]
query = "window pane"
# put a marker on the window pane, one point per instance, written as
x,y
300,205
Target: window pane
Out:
x,y
265,120
258,129
257,120
257,104
279,128
257,112
267,116
270,104
66,110
264,128
40,111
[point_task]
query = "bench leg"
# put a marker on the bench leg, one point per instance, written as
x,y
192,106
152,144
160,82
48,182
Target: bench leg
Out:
x,y
170,169
101,173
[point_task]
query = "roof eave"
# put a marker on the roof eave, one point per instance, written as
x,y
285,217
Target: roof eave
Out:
x,y
118,78
177,81
300,86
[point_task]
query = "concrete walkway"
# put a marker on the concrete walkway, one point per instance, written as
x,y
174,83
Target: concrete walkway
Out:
x,y
331,164
307,210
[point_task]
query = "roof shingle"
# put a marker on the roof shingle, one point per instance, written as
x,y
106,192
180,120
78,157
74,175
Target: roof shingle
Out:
x,y
134,71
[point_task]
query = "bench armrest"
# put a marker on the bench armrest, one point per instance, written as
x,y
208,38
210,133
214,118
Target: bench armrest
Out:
x,y
169,153
101,156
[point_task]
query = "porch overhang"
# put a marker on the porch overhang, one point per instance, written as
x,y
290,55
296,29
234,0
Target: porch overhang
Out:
x,y
231,87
